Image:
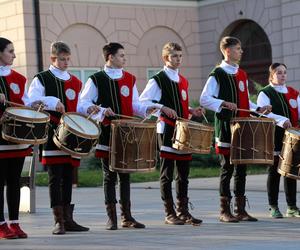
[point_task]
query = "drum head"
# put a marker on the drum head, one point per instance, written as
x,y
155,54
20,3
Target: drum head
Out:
x,y
81,124
26,113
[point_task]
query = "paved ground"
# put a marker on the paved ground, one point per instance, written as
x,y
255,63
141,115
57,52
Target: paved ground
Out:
x,y
267,233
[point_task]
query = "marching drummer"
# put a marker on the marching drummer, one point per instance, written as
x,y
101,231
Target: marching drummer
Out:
x,y
226,91
169,90
58,90
115,91
285,103
12,156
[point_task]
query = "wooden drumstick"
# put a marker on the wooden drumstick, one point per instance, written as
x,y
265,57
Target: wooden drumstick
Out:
x,y
90,115
14,103
149,115
129,117
66,114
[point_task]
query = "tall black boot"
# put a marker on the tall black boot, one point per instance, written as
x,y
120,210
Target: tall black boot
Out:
x,y
171,217
126,217
183,212
240,212
59,227
225,212
70,224
112,223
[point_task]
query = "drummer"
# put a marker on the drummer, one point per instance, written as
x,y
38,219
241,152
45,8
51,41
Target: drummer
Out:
x,y
58,90
115,91
225,91
285,103
169,90
12,156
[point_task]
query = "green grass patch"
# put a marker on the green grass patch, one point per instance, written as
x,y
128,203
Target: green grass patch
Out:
x,y
94,177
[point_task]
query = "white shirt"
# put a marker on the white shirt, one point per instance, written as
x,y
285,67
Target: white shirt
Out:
x,y
152,92
89,96
36,90
208,98
263,100
5,71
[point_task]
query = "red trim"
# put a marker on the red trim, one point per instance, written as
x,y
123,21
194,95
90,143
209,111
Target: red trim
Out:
x,y
243,98
101,154
55,160
75,84
222,150
183,86
54,119
128,80
167,121
171,156
16,154
75,162
16,78
292,94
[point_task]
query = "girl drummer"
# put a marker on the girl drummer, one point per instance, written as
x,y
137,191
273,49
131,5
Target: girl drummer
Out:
x,y
12,88
286,112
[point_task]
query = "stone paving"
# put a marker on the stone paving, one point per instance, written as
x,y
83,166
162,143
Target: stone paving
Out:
x,y
267,233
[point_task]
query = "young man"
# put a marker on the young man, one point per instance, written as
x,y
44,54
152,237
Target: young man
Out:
x,y
225,91
12,156
169,90
58,91
115,90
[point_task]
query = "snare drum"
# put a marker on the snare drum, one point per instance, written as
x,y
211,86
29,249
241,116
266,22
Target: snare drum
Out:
x,y
133,146
76,134
25,126
252,140
192,137
289,159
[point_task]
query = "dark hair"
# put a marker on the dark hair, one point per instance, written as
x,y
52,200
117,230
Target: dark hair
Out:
x,y
111,49
57,48
3,43
273,68
228,41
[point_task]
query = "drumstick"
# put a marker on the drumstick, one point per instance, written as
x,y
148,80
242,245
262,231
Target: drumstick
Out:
x,y
205,118
130,117
14,103
147,117
93,112
66,114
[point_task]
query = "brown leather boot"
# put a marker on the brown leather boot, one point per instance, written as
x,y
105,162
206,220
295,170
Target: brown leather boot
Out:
x,y
171,217
126,217
225,213
239,209
112,223
70,224
59,227
183,212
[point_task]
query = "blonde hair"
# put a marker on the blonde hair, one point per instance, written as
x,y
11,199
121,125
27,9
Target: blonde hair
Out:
x,y
57,48
169,48
273,67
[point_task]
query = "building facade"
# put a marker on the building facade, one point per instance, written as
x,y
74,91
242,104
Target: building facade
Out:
x,y
269,30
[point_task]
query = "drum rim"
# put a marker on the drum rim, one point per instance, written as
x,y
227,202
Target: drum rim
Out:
x,y
26,119
290,134
66,150
76,132
261,119
138,123
24,141
206,127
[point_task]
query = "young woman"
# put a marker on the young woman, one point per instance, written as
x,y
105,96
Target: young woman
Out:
x,y
12,88
285,103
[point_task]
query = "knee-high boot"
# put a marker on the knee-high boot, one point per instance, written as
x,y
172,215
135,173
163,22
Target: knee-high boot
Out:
x,y
183,212
126,217
240,212
70,224
225,212
59,227
112,223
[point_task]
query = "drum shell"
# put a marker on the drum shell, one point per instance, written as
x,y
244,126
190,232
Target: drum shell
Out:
x,y
72,141
289,159
252,140
24,130
192,137
133,146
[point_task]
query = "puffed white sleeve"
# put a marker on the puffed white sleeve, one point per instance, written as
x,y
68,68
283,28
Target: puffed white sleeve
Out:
x,y
87,98
208,98
36,92
263,100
